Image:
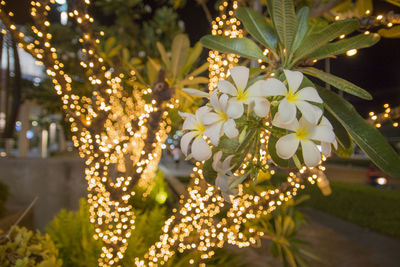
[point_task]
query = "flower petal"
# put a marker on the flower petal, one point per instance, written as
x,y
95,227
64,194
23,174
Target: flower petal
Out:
x,y
235,109
326,149
323,134
325,122
240,76
256,89
190,123
227,88
308,111
287,146
273,87
292,125
211,118
230,129
226,165
215,101
185,141
311,154
309,94
223,101
294,79
261,107
287,111
201,112
200,149
216,161
195,92
214,132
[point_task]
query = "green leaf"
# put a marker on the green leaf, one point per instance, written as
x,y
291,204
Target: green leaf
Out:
x,y
318,39
243,47
393,32
194,81
340,47
362,6
194,54
209,173
164,56
337,82
180,49
367,137
345,142
152,70
394,2
200,69
285,22
302,27
257,26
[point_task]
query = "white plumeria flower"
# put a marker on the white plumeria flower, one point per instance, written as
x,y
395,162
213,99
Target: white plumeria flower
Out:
x,y
224,176
326,147
219,122
194,123
304,133
254,94
294,98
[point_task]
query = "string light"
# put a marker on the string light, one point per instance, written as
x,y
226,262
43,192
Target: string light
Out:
x,y
389,115
226,25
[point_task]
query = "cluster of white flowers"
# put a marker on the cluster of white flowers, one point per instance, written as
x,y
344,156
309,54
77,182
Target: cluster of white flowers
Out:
x,y
227,105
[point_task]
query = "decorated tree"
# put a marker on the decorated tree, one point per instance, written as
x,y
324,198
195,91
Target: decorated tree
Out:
x,y
255,121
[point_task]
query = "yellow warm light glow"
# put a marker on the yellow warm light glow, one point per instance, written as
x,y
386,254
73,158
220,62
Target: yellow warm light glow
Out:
x,y
351,52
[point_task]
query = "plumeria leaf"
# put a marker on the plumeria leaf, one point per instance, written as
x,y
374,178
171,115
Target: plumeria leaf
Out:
x,y
285,22
302,27
257,26
200,69
209,173
179,52
367,137
243,47
228,145
337,82
393,32
164,55
195,92
316,40
340,47
345,142
238,180
363,6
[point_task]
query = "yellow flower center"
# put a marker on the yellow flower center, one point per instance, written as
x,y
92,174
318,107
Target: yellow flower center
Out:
x,y
242,95
200,128
302,133
291,96
223,116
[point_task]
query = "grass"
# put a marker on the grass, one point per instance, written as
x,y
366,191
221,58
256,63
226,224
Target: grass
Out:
x,y
375,209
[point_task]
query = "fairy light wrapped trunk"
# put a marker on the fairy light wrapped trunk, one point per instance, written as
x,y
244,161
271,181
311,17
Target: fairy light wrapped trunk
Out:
x,y
226,24
109,128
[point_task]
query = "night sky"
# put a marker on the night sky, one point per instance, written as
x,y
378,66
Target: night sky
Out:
x,y
376,69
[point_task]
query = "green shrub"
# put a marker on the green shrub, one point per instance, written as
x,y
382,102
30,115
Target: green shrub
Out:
x,y
366,206
24,248
72,234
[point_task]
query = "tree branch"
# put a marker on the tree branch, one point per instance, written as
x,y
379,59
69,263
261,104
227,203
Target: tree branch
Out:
x,y
321,9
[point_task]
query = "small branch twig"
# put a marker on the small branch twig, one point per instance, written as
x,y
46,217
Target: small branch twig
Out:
x,y
321,9
21,217
203,5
